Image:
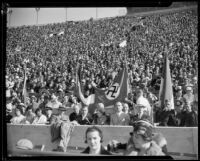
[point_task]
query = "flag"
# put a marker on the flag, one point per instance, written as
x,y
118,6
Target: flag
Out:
x,y
118,91
166,91
61,33
123,44
24,91
18,48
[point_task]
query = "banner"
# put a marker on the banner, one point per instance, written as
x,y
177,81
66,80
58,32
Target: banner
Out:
x,y
118,91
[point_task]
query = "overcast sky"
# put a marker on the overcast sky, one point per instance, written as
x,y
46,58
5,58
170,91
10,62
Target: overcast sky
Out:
x,y
28,16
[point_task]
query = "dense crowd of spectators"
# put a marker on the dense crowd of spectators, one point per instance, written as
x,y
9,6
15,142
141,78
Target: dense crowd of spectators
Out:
x,y
50,60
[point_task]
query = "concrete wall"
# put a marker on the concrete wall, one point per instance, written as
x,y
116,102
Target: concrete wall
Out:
x,y
180,140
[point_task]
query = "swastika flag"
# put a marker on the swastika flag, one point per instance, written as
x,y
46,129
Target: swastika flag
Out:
x,y
118,91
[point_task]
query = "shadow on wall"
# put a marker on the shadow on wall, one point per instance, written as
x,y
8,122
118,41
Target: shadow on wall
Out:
x,y
132,10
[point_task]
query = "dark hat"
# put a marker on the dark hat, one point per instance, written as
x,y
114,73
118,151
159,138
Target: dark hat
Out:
x,y
29,107
62,108
48,108
144,128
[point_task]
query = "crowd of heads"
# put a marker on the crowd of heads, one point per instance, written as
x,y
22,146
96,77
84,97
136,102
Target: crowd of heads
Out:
x,y
49,63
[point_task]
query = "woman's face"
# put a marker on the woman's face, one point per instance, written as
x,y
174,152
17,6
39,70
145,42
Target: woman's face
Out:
x,y
18,113
93,140
138,140
39,113
99,114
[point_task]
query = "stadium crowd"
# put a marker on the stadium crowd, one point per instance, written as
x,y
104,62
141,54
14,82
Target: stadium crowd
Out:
x,y
49,56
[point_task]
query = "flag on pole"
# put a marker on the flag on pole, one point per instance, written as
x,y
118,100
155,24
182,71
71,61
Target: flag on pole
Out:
x,y
118,91
166,92
123,44
50,35
61,33
24,91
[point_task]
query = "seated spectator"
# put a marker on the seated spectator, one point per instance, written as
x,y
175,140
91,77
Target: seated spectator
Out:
x,y
23,107
84,118
19,118
94,139
62,116
168,115
30,115
33,101
189,116
50,116
157,112
142,114
142,142
43,104
100,117
8,113
189,97
54,103
39,118
178,105
74,115
126,108
119,117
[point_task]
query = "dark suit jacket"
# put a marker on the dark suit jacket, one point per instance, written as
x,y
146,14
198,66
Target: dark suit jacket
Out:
x,y
103,151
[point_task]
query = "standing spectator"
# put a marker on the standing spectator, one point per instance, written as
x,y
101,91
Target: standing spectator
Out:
x,y
143,101
119,117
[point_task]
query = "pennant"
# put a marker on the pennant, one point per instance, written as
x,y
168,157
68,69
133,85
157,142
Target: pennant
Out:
x,y
123,44
166,92
51,35
61,33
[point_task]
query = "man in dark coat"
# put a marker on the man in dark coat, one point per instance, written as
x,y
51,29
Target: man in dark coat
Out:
x,y
168,115
84,118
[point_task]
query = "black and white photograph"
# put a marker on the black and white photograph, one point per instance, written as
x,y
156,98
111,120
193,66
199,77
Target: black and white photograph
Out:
x,y
102,81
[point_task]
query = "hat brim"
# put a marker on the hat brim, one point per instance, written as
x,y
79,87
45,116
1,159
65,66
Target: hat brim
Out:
x,y
62,109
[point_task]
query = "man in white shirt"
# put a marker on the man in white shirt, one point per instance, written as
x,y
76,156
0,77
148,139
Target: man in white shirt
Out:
x,y
189,97
54,103
141,100
119,118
